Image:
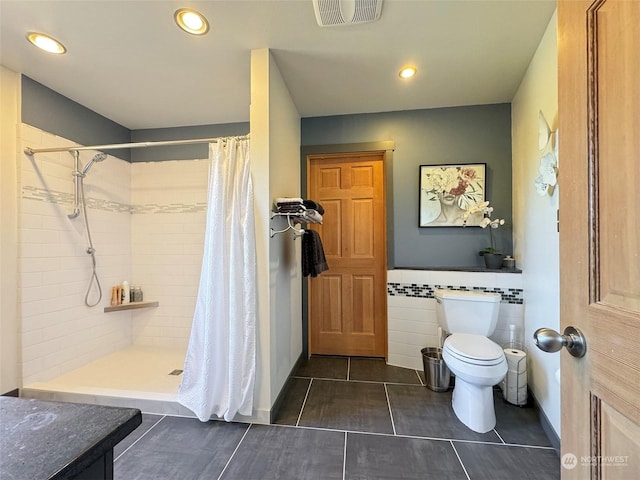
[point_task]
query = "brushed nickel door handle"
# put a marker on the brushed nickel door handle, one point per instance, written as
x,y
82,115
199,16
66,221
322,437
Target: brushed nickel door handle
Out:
x,y
548,340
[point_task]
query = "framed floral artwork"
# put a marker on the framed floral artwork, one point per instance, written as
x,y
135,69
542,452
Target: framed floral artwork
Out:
x,y
446,191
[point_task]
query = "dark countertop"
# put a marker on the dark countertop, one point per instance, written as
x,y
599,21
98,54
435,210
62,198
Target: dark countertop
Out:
x,y
463,269
53,440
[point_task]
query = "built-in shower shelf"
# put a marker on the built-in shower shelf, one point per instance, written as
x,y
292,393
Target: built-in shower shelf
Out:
x,y
130,306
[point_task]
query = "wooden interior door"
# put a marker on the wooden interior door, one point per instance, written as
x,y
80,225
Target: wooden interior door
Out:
x,y
348,303
599,135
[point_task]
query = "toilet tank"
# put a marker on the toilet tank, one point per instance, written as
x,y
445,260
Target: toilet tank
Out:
x,y
460,311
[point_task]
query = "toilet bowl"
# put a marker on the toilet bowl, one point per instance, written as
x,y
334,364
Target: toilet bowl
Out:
x,y
477,362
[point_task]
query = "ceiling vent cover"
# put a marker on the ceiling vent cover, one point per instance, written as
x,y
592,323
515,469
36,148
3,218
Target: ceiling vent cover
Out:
x,y
332,13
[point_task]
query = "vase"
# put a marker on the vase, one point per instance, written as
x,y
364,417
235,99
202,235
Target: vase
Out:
x,y
493,260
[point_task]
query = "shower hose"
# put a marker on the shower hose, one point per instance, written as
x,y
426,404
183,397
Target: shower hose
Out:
x,y
91,251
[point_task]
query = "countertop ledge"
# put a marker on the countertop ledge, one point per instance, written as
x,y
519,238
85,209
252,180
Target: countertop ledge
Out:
x,y
55,440
461,269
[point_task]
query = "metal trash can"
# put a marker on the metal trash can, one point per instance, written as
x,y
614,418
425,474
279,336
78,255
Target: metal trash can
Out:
x,y
436,372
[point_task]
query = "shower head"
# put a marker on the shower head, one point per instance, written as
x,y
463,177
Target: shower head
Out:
x,y
97,158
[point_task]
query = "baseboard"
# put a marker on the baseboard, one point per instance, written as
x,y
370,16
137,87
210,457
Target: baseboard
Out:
x,y
546,424
166,406
261,417
12,393
275,408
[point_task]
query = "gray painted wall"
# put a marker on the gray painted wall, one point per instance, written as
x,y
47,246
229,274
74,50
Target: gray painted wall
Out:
x,y
472,134
46,109
181,152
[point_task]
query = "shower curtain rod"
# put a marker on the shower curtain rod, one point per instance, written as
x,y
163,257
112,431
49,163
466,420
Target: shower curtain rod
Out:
x,y
31,151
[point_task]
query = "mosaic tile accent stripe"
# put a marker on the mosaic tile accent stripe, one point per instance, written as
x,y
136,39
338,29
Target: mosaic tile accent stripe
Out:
x,y
108,205
44,195
509,295
169,208
62,198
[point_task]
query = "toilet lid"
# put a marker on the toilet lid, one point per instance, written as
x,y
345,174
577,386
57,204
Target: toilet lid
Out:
x,y
475,348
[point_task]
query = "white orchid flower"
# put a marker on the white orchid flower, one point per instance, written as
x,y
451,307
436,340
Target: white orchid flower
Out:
x,y
548,169
541,186
479,207
485,222
475,208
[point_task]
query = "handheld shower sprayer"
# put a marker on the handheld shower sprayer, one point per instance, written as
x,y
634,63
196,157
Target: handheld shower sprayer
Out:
x,y
80,201
78,175
99,157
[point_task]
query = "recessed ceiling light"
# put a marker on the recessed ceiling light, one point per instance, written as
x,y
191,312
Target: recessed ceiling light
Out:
x,y
46,43
407,72
191,21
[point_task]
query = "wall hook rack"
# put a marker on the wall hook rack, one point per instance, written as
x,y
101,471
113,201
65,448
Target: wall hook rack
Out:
x,y
296,213
292,218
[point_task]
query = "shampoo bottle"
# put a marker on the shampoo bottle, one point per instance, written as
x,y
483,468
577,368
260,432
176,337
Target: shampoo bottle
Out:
x,y
126,294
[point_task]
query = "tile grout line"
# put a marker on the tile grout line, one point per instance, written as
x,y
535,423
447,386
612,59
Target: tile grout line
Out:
x,y
520,445
364,381
393,424
460,460
417,437
304,402
138,439
234,451
344,458
500,442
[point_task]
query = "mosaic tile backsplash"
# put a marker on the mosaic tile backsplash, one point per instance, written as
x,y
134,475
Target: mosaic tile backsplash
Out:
x,y
509,295
411,308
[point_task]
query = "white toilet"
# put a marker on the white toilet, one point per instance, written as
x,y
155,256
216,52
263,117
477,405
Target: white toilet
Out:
x,y
477,362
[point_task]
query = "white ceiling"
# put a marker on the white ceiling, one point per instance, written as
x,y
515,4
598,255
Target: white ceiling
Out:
x,y
128,61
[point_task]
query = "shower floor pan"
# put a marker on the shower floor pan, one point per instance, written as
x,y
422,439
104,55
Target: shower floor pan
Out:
x,y
137,377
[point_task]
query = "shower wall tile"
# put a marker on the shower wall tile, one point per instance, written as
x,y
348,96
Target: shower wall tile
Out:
x,y
52,170
179,182
168,222
59,332
31,136
40,264
411,308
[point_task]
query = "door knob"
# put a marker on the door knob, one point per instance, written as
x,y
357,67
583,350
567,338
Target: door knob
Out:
x,y
548,340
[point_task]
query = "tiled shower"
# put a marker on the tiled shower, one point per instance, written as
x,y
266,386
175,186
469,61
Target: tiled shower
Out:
x,y
147,222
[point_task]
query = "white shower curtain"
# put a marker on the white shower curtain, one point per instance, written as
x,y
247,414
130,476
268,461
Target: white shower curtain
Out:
x,y
219,370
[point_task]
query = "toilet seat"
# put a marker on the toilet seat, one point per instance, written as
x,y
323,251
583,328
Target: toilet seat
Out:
x,y
474,349
480,372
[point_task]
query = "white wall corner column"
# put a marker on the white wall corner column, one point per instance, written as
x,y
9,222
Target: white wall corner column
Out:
x,y
275,147
285,273
259,131
10,377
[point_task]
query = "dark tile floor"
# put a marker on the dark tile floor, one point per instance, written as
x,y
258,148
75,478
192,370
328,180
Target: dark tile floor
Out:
x,y
344,419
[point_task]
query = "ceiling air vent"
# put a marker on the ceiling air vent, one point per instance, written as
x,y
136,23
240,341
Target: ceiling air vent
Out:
x,y
332,13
